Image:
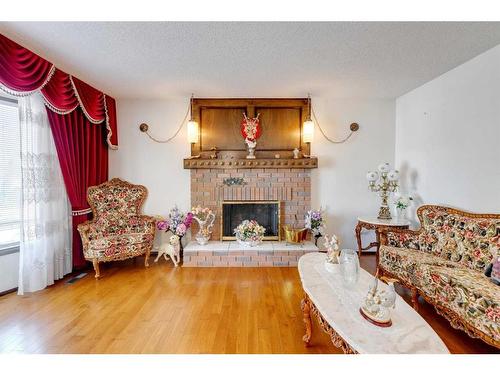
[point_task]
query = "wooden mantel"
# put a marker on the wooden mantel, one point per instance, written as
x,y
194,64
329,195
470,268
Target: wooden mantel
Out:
x,y
221,145
302,163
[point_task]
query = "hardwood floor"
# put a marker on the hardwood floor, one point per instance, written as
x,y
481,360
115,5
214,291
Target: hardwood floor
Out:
x,y
185,310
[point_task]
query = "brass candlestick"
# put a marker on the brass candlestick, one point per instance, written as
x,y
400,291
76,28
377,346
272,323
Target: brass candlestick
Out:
x,y
384,181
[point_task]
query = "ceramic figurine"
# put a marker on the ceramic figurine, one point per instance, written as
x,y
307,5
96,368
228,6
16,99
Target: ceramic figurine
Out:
x,y
377,304
250,130
331,246
296,153
172,249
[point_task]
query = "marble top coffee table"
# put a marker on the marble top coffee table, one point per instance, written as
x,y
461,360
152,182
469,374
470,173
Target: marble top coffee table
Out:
x,y
337,310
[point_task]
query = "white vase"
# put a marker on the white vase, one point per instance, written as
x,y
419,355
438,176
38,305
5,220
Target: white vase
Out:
x,y
249,243
205,230
400,213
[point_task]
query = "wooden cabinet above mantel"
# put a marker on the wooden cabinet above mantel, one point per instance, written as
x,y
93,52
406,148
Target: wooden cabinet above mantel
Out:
x,y
220,121
303,163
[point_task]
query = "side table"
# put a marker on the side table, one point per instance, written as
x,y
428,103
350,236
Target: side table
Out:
x,y
373,223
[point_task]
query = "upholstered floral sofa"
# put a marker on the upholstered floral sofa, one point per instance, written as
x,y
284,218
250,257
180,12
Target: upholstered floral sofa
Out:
x,y
118,230
444,262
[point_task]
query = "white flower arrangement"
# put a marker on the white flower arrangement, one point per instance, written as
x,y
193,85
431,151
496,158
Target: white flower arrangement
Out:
x,y
249,231
403,202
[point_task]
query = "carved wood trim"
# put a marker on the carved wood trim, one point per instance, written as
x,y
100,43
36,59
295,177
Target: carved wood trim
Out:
x,y
305,163
308,307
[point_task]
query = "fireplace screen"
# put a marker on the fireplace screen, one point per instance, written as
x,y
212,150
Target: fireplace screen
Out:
x,y
266,213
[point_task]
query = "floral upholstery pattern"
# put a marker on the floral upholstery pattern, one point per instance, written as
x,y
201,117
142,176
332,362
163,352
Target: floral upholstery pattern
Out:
x,y
118,230
466,292
473,242
445,262
405,263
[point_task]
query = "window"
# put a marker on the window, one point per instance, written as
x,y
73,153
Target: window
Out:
x,y
10,174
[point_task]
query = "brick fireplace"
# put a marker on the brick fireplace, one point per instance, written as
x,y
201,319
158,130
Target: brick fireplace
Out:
x,y
290,186
222,171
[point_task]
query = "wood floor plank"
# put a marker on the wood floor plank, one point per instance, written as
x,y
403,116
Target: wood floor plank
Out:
x,y
162,309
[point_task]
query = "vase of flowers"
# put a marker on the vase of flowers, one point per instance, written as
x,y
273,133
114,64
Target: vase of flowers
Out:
x,y
249,233
401,204
205,218
177,222
315,222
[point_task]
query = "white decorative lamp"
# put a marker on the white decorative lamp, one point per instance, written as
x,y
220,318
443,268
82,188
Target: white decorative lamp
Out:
x,y
308,125
384,181
193,131
308,131
192,126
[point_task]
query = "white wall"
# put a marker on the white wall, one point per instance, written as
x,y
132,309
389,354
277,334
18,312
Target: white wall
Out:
x,y
338,184
448,134
155,165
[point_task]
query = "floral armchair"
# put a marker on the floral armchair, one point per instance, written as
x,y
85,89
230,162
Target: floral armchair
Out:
x,y
444,262
118,230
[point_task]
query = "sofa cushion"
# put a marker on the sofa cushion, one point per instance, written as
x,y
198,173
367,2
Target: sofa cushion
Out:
x,y
115,245
472,241
468,293
404,263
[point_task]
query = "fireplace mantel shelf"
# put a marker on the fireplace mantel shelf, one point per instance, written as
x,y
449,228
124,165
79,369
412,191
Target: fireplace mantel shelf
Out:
x,y
302,163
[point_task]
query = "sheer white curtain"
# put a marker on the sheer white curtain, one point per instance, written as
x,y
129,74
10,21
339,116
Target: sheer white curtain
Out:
x,y
45,248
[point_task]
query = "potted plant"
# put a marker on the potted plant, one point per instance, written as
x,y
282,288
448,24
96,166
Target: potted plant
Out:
x,y
315,223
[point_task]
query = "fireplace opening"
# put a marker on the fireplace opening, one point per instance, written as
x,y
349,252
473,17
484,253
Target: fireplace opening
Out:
x,y
266,213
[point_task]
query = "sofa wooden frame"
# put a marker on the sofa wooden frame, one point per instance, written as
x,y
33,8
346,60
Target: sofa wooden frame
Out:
x,y
456,321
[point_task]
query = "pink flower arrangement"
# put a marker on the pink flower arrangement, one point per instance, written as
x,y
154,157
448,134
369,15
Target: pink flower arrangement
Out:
x,y
177,222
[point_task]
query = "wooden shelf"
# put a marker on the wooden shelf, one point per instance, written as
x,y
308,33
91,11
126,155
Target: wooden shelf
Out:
x,y
303,163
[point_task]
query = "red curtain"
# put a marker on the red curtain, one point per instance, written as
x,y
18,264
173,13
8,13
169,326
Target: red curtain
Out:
x,y
20,69
23,72
83,156
82,119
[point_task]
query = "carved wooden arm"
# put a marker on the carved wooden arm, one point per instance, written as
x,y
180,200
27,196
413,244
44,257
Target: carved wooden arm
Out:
x,y
400,237
84,229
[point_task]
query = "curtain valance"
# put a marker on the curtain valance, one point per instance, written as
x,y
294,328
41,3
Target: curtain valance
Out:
x,y
23,72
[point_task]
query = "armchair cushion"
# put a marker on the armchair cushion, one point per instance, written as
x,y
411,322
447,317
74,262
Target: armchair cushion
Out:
x,y
107,225
118,245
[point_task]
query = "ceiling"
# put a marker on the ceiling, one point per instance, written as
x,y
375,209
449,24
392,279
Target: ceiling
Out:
x,y
230,59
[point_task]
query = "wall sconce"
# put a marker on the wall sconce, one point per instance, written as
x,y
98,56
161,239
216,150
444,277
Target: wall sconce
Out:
x,y
308,125
193,128
193,131
308,131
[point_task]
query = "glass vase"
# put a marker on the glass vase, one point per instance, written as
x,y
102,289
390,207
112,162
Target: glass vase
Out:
x,y
205,228
349,267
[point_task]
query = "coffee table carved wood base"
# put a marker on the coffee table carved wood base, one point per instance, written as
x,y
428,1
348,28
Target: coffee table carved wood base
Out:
x,y
308,308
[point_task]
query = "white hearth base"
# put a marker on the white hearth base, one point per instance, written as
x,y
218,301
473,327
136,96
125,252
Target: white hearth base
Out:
x,y
232,254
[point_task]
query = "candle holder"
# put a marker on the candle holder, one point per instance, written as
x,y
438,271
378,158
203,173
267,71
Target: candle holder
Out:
x,y
384,181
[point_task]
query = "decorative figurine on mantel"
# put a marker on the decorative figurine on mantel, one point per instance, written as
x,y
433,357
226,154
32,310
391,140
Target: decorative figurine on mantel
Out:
x,y
377,304
296,153
384,181
250,130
